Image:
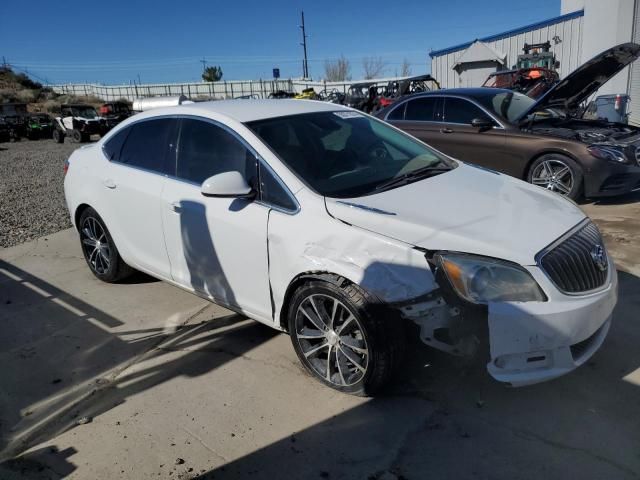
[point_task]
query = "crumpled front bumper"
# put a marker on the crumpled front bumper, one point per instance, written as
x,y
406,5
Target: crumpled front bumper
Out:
x,y
538,341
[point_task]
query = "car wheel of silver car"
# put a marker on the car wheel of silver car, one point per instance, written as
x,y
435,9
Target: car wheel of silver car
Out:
x,y
99,249
343,336
557,173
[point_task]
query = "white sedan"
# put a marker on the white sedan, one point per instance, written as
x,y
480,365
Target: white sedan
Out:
x,y
341,230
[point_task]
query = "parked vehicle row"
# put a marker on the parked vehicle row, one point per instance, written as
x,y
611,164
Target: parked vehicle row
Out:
x,y
76,121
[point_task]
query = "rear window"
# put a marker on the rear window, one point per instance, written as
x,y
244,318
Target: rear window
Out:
x,y
421,109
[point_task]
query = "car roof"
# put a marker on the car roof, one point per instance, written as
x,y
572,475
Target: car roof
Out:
x,y
250,110
467,92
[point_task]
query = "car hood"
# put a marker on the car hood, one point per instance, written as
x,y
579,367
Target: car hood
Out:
x,y
467,210
576,87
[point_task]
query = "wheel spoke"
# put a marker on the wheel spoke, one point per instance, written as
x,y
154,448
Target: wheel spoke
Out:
x,y
347,341
547,168
333,313
351,359
561,172
350,319
319,324
563,188
310,334
317,312
90,242
344,382
328,364
539,181
311,351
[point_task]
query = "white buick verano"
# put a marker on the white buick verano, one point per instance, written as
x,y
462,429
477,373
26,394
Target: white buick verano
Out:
x,y
331,225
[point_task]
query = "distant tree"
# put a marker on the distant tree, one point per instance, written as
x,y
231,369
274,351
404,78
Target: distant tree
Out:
x,y
406,68
373,67
337,70
212,74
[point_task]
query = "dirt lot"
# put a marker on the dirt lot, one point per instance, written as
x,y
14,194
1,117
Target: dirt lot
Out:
x,y
31,194
142,380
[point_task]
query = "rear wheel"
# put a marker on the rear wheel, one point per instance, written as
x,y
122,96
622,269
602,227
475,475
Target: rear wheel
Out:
x,y
99,249
557,173
76,136
344,337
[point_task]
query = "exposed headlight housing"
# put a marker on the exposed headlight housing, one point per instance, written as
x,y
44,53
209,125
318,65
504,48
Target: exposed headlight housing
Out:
x,y
611,154
481,280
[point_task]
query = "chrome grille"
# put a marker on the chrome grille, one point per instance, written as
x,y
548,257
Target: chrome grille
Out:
x,y
577,263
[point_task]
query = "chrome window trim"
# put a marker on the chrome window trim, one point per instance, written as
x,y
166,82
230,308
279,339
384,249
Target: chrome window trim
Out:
x,y
489,114
538,259
246,144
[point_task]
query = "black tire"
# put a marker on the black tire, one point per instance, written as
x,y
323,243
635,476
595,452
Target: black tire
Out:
x,y
85,137
559,185
103,260
76,136
58,136
375,330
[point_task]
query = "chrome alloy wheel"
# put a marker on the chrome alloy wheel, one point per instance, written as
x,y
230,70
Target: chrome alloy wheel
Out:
x,y
95,245
332,340
553,175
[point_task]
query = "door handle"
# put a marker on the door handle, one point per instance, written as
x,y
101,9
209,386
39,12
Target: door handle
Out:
x,y
446,130
175,207
109,183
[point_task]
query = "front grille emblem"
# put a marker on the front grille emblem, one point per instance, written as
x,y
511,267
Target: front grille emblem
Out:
x,y
599,257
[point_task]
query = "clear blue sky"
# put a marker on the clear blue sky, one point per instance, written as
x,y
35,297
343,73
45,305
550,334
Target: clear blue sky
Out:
x,y
162,41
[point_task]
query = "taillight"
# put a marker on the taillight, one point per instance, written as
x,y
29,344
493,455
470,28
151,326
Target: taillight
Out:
x,y
616,105
66,166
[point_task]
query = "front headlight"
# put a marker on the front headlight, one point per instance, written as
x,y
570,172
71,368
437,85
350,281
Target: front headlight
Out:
x,y
482,280
604,152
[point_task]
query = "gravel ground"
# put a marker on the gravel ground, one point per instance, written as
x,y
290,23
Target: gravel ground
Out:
x,y
31,192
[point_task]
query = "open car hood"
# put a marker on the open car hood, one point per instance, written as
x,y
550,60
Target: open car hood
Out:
x,y
468,210
576,87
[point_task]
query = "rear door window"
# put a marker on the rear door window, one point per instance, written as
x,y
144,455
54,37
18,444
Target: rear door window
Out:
x,y
206,149
458,110
147,144
421,109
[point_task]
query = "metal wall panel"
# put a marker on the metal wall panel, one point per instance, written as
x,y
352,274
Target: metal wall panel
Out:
x,y
634,77
568,50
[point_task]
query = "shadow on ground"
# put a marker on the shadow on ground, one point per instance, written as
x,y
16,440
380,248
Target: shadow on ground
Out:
x,y
61,360
581,425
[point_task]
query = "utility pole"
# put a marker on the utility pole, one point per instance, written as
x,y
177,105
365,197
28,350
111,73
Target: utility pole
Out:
x,y
305,63
204,64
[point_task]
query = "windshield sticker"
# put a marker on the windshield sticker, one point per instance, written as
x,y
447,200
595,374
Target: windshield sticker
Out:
x,y
348,114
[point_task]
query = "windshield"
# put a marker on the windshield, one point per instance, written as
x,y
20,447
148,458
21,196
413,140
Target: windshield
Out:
x,y
345,154
509,105
83,112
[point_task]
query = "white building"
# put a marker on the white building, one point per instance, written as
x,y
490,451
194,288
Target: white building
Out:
x,y
583,29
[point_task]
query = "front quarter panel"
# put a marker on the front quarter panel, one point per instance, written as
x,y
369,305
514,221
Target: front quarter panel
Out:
x,y
312,241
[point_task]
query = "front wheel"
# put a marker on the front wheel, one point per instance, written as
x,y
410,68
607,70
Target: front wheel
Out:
x,y
557,173
58,136
344,337
100,250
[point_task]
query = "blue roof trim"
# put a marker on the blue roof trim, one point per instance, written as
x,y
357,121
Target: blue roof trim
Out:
x,y
509,33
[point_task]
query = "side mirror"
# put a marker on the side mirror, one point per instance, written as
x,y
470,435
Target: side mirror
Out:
x,y
482,123
227,185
